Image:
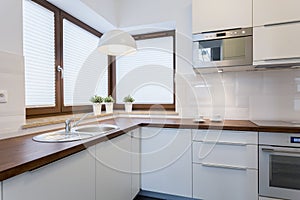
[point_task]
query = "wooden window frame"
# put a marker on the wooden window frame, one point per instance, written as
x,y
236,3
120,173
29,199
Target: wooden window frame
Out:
x,y
59,108
112,74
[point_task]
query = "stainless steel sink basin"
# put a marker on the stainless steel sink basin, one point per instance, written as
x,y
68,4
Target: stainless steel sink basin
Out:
x,y
77,133
95,129
61,136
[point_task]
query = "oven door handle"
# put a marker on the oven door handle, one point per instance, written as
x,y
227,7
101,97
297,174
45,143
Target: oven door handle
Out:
x,y
269,150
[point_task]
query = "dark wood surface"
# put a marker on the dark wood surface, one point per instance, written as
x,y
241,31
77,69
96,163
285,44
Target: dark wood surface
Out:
x,y
21,154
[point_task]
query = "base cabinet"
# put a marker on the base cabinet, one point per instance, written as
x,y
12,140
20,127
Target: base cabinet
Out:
x,y
113,179
118,167
216,182
166,161
225,165
70,178
135,163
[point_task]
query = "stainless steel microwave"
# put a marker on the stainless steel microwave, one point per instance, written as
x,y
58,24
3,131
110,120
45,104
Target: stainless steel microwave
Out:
x,y
223,48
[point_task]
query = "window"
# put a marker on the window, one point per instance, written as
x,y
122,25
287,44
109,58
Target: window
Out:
x,y
62,66
148,75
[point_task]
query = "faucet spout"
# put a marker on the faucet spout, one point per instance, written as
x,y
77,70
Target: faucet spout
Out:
x,y
69,126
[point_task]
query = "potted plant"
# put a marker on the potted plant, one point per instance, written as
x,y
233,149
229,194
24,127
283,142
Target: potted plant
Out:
x,y
128,100
109,104
97,104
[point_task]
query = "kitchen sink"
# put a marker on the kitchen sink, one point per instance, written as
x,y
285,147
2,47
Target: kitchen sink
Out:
x,y
77,133
95,129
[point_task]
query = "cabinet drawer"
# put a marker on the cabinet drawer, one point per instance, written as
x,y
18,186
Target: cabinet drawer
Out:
x,y
241,137
268,12
214,183
276,44
223,154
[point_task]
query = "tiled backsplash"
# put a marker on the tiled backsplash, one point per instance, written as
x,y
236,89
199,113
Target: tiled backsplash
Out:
x,y
268,95
12,113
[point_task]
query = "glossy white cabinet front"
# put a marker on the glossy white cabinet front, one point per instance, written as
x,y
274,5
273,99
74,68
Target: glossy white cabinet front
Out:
x,y
113,169
166,161
212,15
272,12
276,44
225,165
70,178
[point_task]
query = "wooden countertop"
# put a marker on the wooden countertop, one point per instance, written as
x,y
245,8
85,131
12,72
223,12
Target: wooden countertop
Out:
x,y
21,154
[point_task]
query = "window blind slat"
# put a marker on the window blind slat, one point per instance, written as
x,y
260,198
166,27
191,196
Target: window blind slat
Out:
x,y
39,53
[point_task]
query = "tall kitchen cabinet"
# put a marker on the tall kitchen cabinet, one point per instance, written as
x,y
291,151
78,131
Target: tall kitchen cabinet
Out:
x,y
117,167
275,33
70,178
225,165
166,161
220,15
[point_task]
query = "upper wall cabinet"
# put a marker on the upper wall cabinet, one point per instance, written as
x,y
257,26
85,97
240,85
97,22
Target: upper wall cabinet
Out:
x,y
272,12
211,15
276,44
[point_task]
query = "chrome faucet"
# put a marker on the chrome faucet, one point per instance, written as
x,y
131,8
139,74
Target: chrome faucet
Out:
x,y
69,126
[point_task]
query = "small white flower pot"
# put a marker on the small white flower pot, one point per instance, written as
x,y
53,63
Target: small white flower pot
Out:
x,y
109,107
128,107
97,108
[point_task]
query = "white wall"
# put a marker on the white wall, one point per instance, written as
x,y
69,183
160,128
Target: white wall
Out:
x,y
12,114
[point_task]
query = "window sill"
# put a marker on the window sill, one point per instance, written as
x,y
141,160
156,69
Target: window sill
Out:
x,y
44,121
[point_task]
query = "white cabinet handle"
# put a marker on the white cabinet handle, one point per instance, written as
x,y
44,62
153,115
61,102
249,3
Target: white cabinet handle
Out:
x,y
224,166
282,23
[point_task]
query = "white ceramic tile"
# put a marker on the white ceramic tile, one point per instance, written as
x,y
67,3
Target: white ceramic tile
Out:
x,y
279,82
11,63
11,124
14,85
249,83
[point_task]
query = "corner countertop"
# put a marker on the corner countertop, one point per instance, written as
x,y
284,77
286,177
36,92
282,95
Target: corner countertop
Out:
x,y
21,154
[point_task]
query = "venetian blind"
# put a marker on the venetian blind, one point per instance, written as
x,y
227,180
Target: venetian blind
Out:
x,y
39,53
148,74
85,69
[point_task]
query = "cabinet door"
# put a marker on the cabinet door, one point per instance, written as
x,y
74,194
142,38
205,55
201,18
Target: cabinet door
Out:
x,y
215,183
220,15
276,44
166,161
70,178
270,11
113,169
135,162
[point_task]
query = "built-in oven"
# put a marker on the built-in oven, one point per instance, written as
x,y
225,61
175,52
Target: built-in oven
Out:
x,y
279,165
223,48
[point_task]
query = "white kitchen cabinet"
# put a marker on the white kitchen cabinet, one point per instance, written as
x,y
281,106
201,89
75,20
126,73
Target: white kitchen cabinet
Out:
x,y
135,162
166,162
276,44
1,191
225,165
113,169
215,15
70,178
272,12
217,182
